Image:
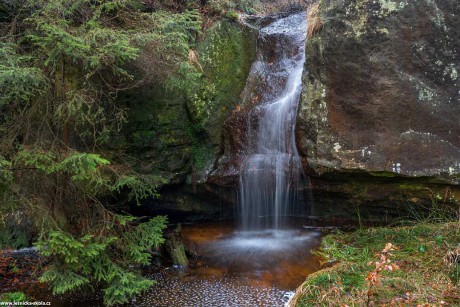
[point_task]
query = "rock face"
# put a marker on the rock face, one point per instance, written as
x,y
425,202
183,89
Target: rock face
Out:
x,y
265,84
164,131
382,91
170,134
379,119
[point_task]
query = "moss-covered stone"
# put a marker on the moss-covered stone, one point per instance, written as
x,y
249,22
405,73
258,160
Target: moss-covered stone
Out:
x,y
174,246
226,53
167,131
379,196
177,134
157,132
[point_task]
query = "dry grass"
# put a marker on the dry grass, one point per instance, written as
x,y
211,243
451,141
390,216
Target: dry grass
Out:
x,y
423,278
314,21
266,7
193,59
452,258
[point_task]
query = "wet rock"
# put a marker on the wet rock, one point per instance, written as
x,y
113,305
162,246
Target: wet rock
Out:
x,y
379,197
165,131
167,136
174,247
185,204
265,83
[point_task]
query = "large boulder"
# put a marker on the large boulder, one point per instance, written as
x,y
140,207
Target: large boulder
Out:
x,y
381,96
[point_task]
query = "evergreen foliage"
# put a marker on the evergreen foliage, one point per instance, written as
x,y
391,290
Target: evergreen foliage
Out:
x,y
62,65
13,297
18,80
79,262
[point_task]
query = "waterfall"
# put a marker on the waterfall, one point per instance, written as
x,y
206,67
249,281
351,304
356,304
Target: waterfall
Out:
x,y
272,182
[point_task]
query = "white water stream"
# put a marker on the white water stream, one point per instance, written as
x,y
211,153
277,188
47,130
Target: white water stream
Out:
x,y
272,183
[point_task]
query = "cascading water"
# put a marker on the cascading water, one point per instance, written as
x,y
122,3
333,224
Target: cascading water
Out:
x,y
271,177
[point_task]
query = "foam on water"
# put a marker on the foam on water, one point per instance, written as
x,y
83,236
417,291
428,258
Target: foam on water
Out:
x,y
256,268
217,291
263,241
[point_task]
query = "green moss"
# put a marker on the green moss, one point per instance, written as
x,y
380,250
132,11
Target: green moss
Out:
x,y
203,156
178,132
175,247
411,186
226,53
232,15
384,174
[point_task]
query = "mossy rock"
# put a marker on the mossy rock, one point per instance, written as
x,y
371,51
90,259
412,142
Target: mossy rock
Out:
x,y
226,53
175,248
164,132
